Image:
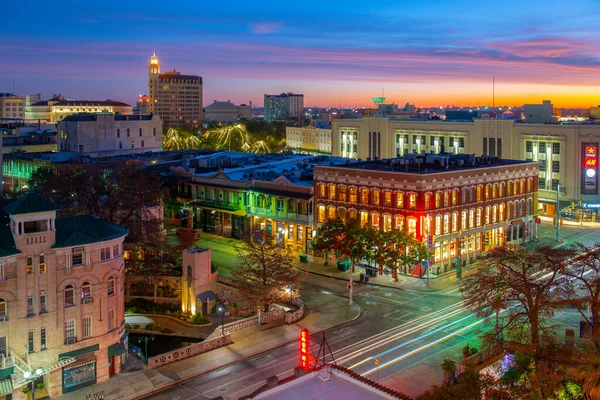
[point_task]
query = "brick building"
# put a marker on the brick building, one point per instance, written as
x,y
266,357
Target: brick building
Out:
x,y
464,204
61,299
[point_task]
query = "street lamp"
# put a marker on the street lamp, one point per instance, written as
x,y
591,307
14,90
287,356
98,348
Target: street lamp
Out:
x,y
289,291
221,310
31,377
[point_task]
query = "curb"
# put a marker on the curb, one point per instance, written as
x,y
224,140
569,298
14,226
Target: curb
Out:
x,y
371,284
183,380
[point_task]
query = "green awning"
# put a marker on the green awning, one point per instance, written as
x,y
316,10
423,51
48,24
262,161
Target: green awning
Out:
x,y
78,352
6,387
116,350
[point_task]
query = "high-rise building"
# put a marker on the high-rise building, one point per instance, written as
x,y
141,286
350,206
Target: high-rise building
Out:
x,y
11,106
143,105
62,318
284,106
175,97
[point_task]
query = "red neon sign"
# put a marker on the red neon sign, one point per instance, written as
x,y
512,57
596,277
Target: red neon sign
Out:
x,y
307,361
304,349
591,162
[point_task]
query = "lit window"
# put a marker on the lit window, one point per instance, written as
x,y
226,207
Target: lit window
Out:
x,y
412,201
364,196
42,264
376,197
29,266
400,200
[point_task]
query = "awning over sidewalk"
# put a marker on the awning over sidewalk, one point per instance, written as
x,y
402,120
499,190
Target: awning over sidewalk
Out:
x,y
116,350
206,296
6,387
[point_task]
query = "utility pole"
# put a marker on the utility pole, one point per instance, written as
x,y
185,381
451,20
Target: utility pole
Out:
x,y
351,284
557,210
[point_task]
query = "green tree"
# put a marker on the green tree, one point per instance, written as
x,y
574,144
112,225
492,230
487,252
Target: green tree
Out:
x,y
266,269
40,177
329,237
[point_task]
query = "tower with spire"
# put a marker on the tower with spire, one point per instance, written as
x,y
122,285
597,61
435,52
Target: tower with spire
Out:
x,y
153,82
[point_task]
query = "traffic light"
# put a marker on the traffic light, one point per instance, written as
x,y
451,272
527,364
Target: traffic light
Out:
x,y
348,286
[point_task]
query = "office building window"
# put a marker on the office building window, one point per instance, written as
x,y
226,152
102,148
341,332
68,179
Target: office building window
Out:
x,y
30,348
42,264
110,286
104,253
127,132
485,146
69,296
29,306
86,293
555,166
142,143
153,131
77,256
86,327
70,329
499,151
529,147
555,148
111,320
43,339
120,145
43,302
140,131
118,133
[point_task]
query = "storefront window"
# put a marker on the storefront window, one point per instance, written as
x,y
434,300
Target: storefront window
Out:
x,y
375,221
364,218
342,193
79,376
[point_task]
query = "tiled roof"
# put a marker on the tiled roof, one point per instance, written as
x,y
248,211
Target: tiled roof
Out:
x,y
7,242
30,203
85,229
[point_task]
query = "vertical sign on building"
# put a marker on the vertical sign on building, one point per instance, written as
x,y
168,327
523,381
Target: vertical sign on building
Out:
x,y
589,168
304,349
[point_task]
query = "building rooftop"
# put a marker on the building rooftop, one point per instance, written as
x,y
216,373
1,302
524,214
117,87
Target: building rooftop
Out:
x,y
296,168
333,383
30,203
432,163
75,103
222,105
83,117
85,229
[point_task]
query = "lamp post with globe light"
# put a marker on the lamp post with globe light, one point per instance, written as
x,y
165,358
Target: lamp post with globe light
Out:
x,y
221,310
31,376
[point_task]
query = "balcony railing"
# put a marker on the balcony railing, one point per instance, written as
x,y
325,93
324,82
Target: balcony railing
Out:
x,y
218,204
280,215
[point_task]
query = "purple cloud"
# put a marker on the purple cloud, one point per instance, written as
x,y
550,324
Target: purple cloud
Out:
x,y
266,28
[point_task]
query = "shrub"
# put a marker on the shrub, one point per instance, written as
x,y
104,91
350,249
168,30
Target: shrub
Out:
x,y
199,319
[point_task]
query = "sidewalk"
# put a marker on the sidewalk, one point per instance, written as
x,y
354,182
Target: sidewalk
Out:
x,y
324,312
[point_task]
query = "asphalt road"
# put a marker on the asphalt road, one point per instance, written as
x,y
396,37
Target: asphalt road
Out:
x,y
386,314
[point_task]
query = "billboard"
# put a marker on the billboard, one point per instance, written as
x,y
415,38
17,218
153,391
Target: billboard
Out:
x,y
589,168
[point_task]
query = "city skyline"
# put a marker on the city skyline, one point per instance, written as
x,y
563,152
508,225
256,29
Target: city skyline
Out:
x,y
445,54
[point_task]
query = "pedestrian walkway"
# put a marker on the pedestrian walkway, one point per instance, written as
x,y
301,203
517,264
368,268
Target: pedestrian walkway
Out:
x,y
324,312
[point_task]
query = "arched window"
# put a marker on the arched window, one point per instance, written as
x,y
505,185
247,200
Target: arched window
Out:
x,y
501,212
375,221
471,218
501,190
479,212
487,215
376,197
387,222
332,192
438,225
352,214
446,198
364,196
86,293
364,218
399,222
320,213
341,213
110,286
463,220
495,191
508,210
488,189
494,214
454,221
69,296
479,192
522,190
530,185
342,193
521,207
3,310
412,226
529,206
446,223
331,212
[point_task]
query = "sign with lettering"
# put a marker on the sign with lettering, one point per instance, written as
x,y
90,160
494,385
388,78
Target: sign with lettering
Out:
x,y
589,168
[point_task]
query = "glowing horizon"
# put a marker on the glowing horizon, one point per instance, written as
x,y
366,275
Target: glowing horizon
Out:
x,y
442,54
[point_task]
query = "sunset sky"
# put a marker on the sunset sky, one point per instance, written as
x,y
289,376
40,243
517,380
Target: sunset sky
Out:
x,y
345,52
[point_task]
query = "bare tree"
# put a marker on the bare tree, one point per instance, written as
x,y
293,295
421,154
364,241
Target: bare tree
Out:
x,y
527,286
266,269
584,285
